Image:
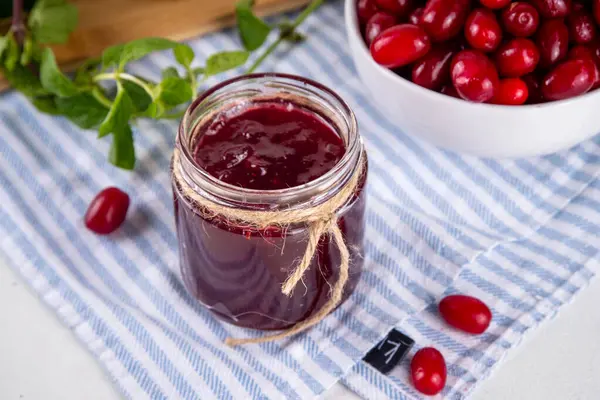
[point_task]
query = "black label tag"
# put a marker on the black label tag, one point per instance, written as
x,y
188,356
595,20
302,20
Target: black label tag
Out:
x,y
389,352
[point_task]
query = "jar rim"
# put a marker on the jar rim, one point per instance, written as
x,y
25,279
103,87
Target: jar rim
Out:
x,y
350,158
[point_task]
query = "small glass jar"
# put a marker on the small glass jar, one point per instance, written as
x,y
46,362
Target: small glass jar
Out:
x,y
238,271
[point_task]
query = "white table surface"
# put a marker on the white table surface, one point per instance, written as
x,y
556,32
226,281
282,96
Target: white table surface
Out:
x,y
41,359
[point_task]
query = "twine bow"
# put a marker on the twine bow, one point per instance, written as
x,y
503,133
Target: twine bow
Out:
x,y
321,220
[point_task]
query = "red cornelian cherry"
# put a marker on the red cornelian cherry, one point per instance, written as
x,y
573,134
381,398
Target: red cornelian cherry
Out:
x,y
582,27
586,52
449,90
415,16
596,77
495,4
400,45
401,8
474,76
595,46
517,57
552,8
520,19
533,89
466,313
378,23
433,70
578,5
511,92
107,211
553,42
365,10
569,79
444,19
428,371
582,51
482,30
596,10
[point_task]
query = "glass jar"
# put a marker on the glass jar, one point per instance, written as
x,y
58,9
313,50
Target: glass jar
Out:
x,y
237,271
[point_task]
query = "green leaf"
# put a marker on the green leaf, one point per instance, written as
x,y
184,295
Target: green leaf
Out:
x,y
46,105
198,71
3,45
28,48
195,72
122,151
123,53
12,53
52,21
184,54
119,114
170,72
175,91
84,73
83,110
253,30
226,60
25,81
111,55
53,80
139,48
155,110
139,98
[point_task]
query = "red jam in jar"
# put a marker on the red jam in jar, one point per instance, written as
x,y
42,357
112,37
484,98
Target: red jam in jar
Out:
x,y
265,142
268,146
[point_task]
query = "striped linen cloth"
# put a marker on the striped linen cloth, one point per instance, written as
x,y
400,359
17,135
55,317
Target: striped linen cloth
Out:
x,y
522,235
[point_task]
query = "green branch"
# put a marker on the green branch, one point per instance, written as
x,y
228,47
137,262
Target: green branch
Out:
x,y
116,76
295,24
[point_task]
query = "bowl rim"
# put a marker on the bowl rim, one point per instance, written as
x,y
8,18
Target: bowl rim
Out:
x,y
352,28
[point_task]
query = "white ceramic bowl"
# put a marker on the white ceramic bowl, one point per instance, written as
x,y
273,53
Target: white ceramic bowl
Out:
x,y
480,129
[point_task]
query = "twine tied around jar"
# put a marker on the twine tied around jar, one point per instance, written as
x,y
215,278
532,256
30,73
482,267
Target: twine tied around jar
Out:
x,y
321,220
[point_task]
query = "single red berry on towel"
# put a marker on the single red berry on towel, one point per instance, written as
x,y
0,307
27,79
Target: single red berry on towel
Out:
x,y
465,313
428,371
107,211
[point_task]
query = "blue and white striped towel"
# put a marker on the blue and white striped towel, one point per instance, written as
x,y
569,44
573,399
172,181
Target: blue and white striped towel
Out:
x,y
520,234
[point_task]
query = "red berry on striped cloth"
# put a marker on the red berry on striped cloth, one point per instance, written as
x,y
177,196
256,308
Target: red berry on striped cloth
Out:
x,y
466,313
428,371
107,211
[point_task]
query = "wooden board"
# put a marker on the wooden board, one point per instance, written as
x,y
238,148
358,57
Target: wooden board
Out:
x,y
103,23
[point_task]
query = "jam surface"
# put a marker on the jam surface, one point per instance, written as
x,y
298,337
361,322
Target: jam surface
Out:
x,y
268,146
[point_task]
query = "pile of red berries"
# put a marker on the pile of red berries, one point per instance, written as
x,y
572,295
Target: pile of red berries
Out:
x,y
488,51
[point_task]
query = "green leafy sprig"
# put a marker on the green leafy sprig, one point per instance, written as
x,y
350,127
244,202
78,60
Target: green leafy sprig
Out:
x,y
101,94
